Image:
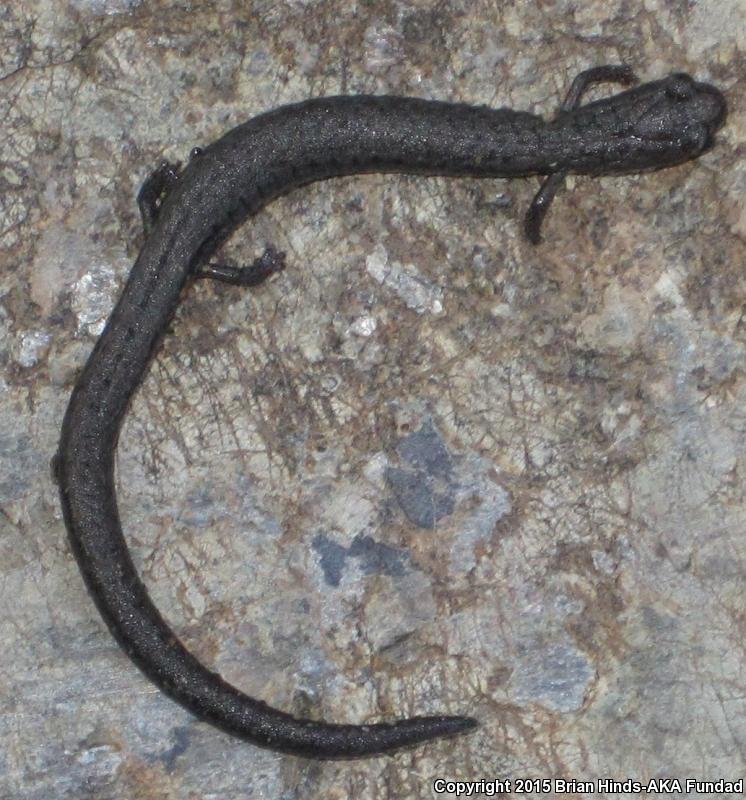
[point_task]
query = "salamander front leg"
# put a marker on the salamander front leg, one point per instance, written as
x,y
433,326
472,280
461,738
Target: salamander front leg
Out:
x,y
616,73
253,274
611,73
540,205
153,192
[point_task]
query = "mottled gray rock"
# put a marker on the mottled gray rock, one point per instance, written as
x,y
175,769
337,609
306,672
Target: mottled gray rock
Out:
x,y
428,467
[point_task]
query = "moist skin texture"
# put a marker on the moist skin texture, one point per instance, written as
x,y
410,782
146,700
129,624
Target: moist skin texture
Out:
x,y
188,215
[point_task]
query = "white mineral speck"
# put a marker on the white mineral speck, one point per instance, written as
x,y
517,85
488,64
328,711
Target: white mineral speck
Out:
x,y
404,280
92,299
363,326
30,346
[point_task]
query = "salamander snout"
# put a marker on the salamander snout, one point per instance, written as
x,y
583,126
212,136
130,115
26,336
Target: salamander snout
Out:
x,y
710,106
705,104
681,115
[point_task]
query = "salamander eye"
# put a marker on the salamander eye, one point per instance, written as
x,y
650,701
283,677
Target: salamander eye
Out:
x,y
679,86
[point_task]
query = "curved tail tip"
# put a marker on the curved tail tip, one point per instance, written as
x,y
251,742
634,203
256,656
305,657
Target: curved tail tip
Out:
x,y
463,724
417,730
449,726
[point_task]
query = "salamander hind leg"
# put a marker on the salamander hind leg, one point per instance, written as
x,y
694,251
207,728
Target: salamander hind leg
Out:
x,y
614,73
253,274
154,190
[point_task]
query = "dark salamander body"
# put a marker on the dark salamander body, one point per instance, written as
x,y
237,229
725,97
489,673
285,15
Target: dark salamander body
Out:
x,y
188,215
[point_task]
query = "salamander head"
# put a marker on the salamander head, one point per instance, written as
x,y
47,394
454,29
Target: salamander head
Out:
x,y
676,117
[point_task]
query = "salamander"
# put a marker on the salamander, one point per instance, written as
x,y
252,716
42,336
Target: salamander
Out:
x,y
188,213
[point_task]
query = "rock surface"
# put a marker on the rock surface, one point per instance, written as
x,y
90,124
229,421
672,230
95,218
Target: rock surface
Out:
x,y
428,468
